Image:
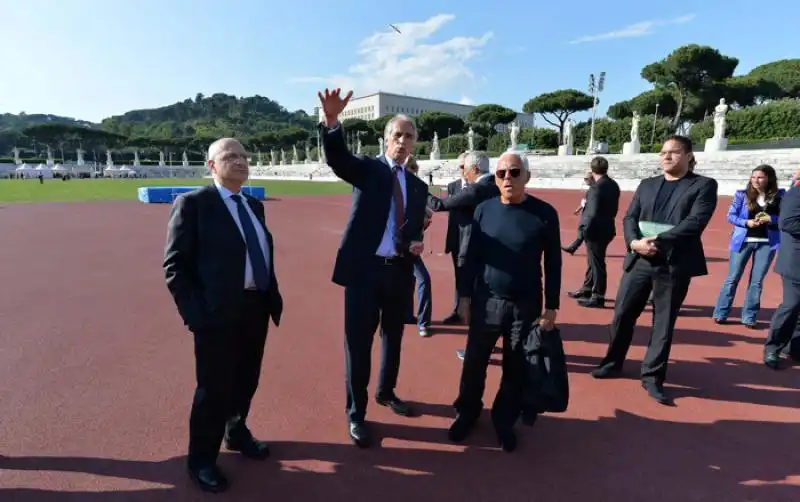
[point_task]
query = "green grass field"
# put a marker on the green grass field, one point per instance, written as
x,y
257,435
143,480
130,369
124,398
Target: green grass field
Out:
x,y
77,190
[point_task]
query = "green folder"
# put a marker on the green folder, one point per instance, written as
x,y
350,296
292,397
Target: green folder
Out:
x,y
652,229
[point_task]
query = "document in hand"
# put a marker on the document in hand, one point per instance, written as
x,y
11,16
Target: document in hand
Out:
x,y
547,385
652,229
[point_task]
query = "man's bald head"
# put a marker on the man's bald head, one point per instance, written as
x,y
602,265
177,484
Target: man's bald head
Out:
x,y
227,161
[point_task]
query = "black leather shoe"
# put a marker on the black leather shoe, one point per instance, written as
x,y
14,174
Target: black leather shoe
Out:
x,y
656,391
579,294
250,448
395,404
506,438
772,360
461,428
569,249
605,372
529,418
359,434
593,303
209,479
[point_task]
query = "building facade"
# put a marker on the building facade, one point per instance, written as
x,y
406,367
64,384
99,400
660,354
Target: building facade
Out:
x,y
373,106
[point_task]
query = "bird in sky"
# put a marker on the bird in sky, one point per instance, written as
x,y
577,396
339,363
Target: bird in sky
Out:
x,y
395,29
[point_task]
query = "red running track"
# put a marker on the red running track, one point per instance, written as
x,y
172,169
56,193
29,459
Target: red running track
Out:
x,y
96,379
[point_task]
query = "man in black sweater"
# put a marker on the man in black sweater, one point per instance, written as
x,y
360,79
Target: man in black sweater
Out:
x,y
503,293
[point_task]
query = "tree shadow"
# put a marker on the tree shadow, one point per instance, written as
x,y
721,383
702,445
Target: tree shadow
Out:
x,y
719,379
622,457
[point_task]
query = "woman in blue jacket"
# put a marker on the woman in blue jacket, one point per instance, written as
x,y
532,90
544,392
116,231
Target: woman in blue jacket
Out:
x,y
754,216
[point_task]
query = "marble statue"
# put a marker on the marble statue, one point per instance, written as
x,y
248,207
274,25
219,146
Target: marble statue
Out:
x,y
109,160
283,157
259,162
719,119
80,153
380,145
358,146
568,139
136,161
435,153
50,159
635,126
514,133
272,157
308,154
471,139
295,158
185,159
17,160
161,161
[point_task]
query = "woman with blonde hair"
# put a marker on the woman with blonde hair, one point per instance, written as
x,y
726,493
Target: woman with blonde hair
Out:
x,y
421,275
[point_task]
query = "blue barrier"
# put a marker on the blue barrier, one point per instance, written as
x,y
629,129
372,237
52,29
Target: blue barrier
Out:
x,y
167,195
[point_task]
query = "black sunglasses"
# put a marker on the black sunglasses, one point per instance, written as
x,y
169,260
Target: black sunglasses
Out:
x,y
514,172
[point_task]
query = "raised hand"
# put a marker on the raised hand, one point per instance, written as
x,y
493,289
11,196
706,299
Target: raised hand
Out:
x,y
332,104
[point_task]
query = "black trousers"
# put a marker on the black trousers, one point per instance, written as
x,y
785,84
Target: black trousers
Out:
x,y
228,368
669,292
383,301
454,258
492,318
596,278
785,328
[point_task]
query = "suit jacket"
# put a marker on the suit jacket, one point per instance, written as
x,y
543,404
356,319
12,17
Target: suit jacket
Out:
x,y
373,186
690,209
204,260
738,214
464,203
598,220
788,262
547,382
455,221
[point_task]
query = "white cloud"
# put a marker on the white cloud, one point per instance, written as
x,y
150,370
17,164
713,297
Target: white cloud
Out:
x,y
409,62
640,29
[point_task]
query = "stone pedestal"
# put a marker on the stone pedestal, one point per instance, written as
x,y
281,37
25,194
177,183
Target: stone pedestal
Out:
x,y
564,150
716,145
631,148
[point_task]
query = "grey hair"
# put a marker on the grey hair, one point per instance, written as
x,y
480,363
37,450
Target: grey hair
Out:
x,y
522,159
479,160
387,131
215,146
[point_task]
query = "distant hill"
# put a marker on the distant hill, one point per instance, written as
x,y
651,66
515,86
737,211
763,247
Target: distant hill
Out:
x,y
213,116
23,120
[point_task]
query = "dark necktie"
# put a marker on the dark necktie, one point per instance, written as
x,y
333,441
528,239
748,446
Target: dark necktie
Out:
x,y
257,261
399,211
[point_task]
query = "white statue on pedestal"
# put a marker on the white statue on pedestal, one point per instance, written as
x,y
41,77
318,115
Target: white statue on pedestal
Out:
x,y
17,160
185,159
259,162
568,139
719,119
358,146
161,161
80,153
136,161
380,146
273,157
718,142
514,135
283,157
50,160
435,154
109,160
471,139
633,146
308,154
295,159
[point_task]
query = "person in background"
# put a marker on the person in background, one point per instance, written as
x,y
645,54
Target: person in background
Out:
x,y
421,275
784,331
754,216
588,182
456,222
512,280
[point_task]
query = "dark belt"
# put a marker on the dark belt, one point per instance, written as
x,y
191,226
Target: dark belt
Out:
x,y
389,260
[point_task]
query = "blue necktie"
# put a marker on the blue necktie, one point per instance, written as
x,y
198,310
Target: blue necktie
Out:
x,y
259,264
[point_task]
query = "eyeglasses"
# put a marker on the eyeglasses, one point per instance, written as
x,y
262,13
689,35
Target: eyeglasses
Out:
x,y
461,166
514,172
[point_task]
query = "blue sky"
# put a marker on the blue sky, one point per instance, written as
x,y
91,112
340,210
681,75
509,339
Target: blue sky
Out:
x,y
90,59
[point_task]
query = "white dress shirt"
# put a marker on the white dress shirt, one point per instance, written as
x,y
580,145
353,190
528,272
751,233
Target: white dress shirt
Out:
x,y
386,247
249,282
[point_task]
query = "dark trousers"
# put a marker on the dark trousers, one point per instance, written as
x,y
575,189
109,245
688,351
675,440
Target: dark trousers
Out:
x,y
382,300
596,278
669,292
490,319
454,258
785,329
228,367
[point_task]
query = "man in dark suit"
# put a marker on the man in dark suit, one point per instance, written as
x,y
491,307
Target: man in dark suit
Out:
x,y
452,241
480,187
663,229
785,329
219,268
599,229
375,258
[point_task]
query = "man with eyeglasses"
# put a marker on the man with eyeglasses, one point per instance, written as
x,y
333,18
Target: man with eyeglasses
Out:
x,y
503,291
480,187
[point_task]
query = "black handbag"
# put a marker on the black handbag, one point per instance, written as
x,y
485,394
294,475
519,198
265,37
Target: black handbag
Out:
x,y
547,385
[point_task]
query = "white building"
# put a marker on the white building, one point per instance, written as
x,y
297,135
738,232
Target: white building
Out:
x,y
373,106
